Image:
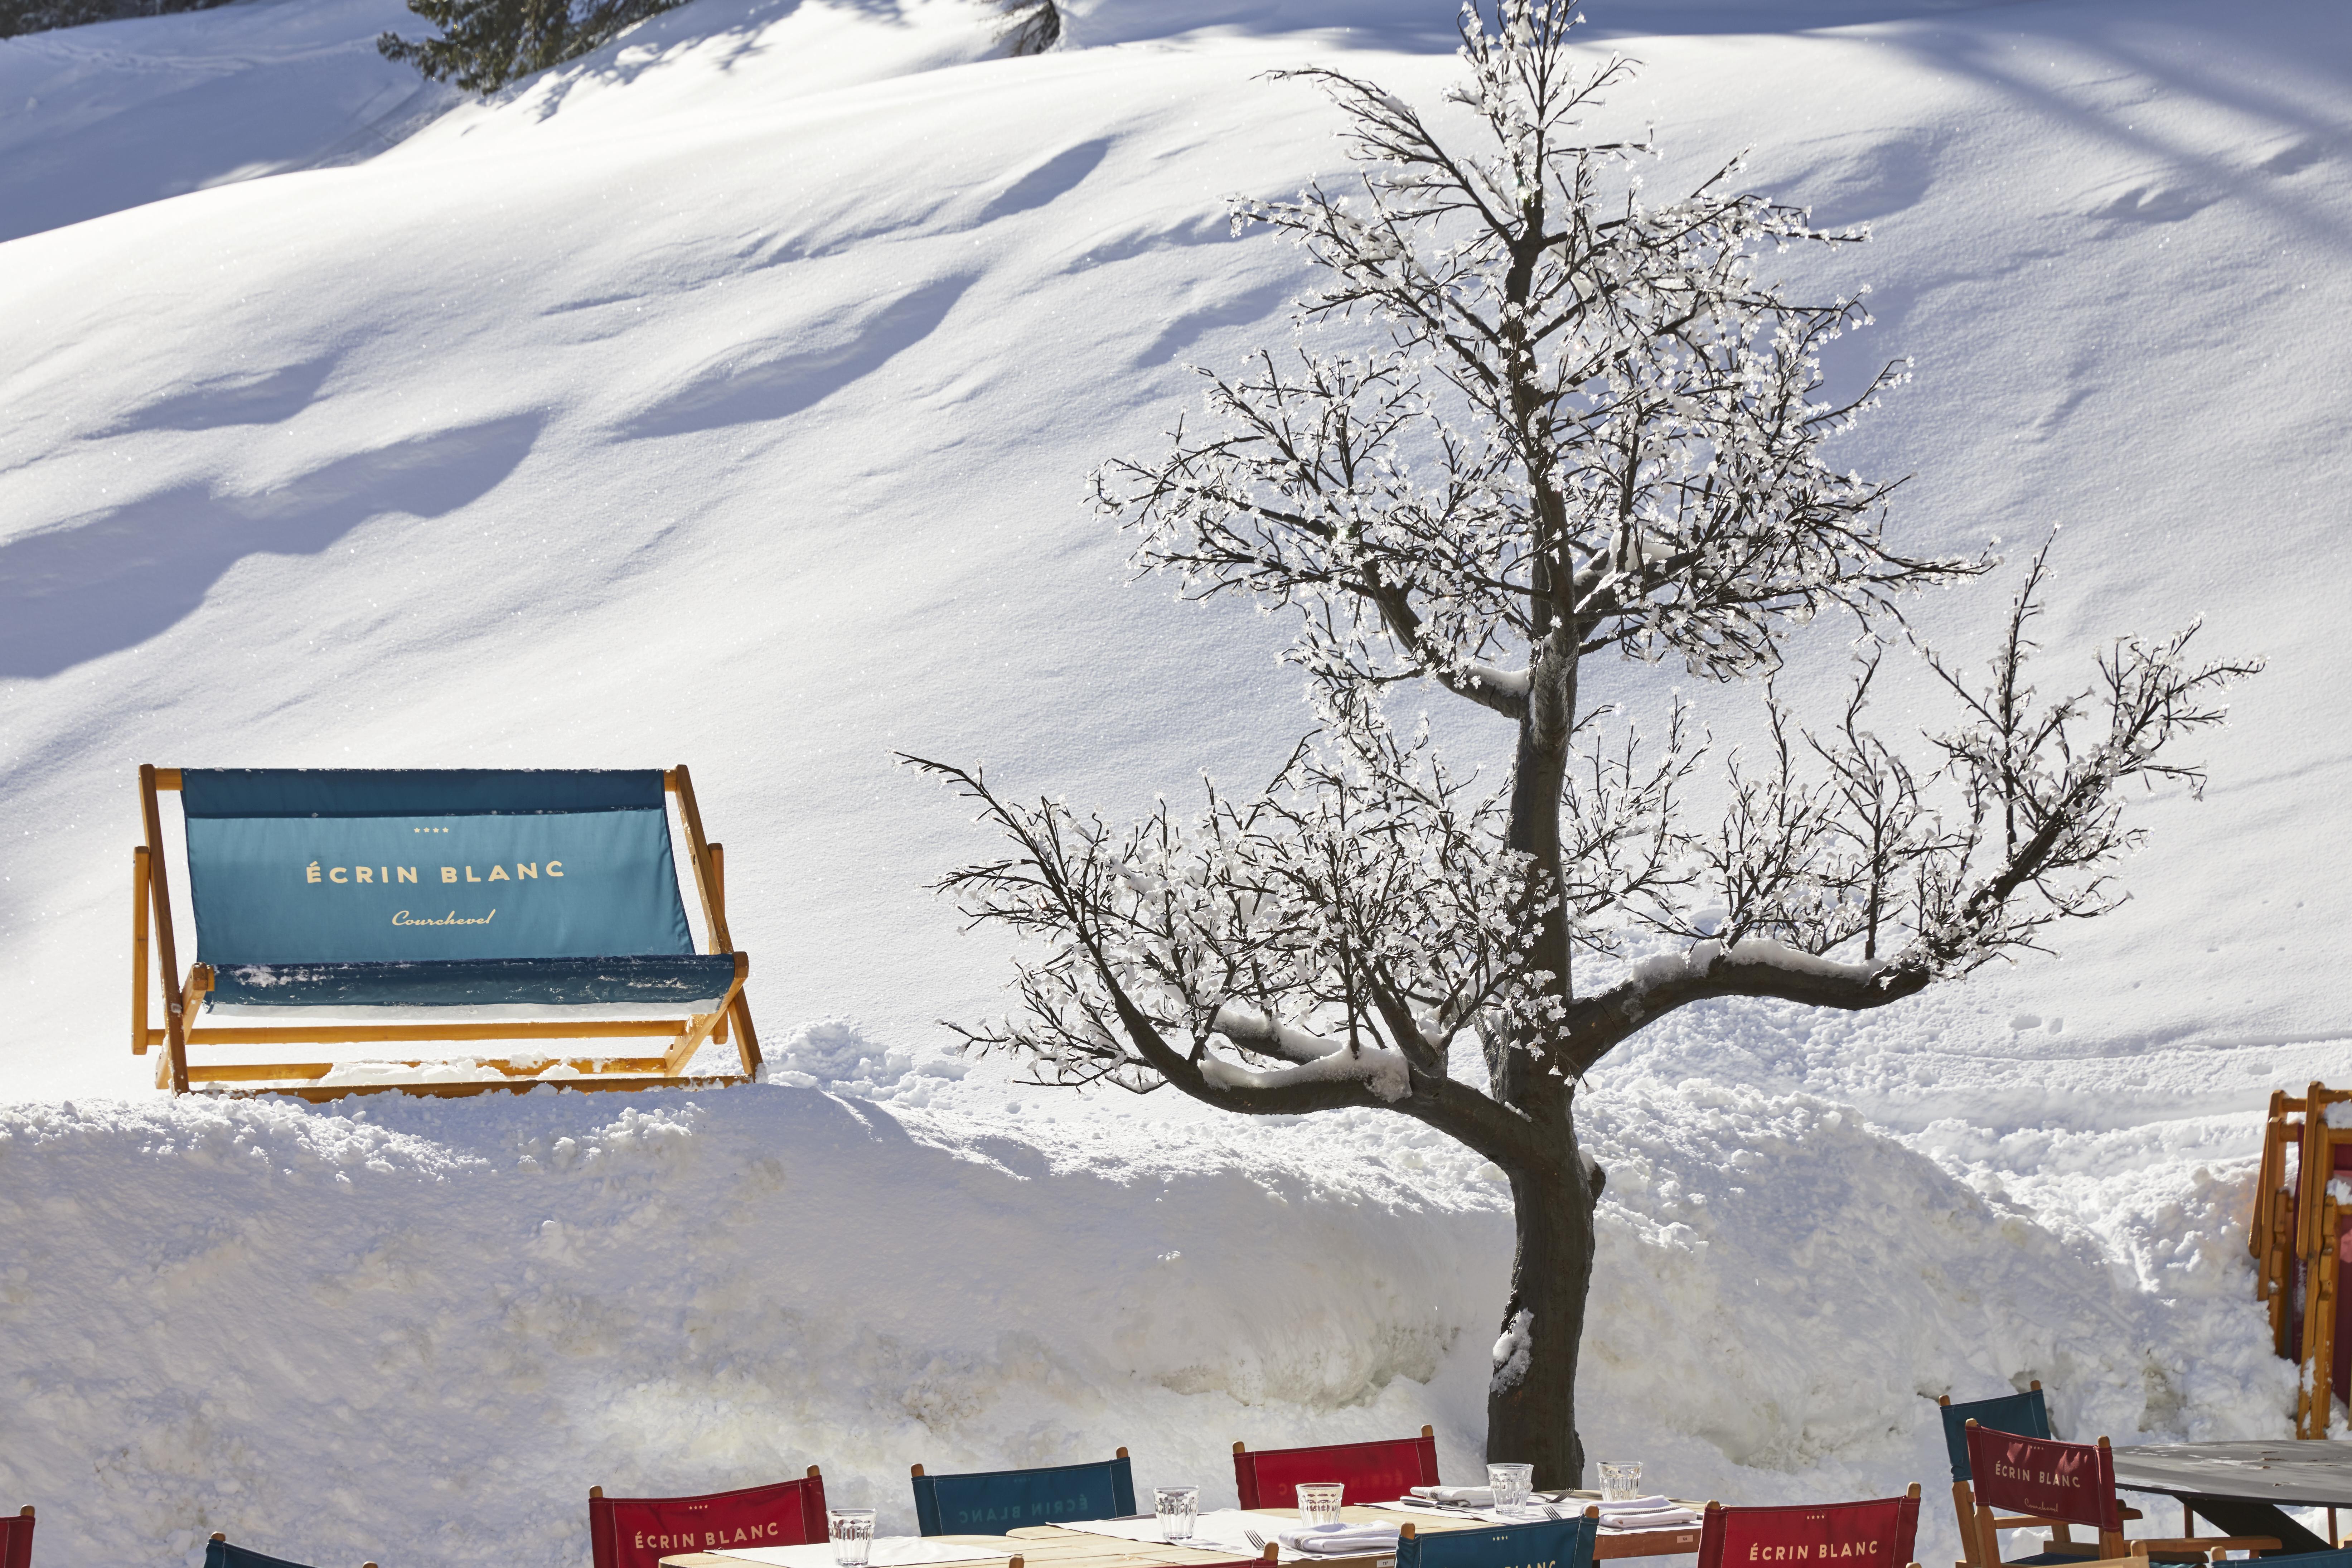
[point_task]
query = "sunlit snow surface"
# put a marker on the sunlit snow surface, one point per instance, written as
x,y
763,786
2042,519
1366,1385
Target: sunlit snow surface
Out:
x,y
727,399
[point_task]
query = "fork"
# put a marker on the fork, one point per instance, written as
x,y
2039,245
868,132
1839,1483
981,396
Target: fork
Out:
x,y
1254,1538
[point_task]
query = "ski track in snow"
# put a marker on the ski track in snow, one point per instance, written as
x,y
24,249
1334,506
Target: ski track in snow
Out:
x,y
727,398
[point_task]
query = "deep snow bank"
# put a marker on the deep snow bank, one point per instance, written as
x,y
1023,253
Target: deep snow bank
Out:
x,y
420,1331
728,398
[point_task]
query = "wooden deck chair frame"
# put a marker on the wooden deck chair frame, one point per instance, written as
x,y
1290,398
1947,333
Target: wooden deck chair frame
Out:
x,y
2271,1237
184,993
2319,1226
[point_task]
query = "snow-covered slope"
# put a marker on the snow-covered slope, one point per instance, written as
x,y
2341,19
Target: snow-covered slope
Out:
x,y
727,398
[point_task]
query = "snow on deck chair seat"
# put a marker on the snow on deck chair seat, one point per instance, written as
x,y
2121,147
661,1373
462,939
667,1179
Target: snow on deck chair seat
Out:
x,y
522,890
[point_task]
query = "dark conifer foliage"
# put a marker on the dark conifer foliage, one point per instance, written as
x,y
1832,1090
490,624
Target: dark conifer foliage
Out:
x,y
39,15
486,44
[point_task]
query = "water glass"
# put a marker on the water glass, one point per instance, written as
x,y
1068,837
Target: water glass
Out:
x,y
1319,1503
1621,1481
1179,1509
852,1530
1510,1484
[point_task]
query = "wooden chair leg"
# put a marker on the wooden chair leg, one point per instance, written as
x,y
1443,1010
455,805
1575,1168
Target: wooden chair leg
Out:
x,y
140,901
1963,1509
1987,1539
718,895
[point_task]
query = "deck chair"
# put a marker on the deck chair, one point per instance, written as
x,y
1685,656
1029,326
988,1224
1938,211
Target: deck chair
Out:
x,y
548,893
1371,1472
2027,1414
219,1553
1549,1543
993,1502
2269,1236
2301,1238
2319,1311
1878,1533
16,1540
638,1533
2042,1482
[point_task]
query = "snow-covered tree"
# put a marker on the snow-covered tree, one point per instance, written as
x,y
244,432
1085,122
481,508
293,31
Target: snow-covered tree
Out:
x,y
20,16
484,45
1593,431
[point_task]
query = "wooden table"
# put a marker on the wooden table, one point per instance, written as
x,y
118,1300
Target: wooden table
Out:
x,y
1051,1546
2241,1488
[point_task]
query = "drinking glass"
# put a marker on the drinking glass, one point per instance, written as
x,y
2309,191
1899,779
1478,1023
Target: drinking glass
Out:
x,y
1319,1503
852,1530
1621,1481
1510,1484
1179,1509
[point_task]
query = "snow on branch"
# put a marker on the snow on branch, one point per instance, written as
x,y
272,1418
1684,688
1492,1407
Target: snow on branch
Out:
x,y
1587,409
2044,780
1861,879
1531,423
1340,931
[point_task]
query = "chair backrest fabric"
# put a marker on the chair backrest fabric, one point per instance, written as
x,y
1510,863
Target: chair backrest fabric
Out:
x,y
1550,1543
2026,1414
1371,1472
2074,1482
288,868
2341,1559
638,1533
1878,1533
989,1503
16,1541
221,1554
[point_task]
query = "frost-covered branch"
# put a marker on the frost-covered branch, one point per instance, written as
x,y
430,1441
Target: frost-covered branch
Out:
x,y
1533,424
1322,944
2044,784
1817,876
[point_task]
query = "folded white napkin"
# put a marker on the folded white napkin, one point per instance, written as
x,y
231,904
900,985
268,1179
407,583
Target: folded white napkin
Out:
x,y
1639,1504
1341,1540
887,1551
1649,1517
1473,1497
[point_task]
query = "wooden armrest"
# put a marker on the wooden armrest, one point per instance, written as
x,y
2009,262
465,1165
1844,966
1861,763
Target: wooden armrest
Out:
x,y
2132,1513
2206,1544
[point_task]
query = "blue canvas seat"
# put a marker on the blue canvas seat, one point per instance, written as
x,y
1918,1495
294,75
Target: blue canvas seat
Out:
x,y
543,892
2027,1414
991,1503
1551,1544
219,1553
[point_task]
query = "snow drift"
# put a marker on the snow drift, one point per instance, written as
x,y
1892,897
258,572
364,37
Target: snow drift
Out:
x,y
420,1331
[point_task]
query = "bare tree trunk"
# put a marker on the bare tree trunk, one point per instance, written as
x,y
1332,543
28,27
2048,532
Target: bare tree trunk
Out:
x,y
1531,1399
